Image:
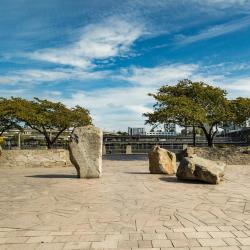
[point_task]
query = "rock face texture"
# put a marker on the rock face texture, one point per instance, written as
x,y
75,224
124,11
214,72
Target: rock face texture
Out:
x,y
197,168
161,161
85,151
187,152
35,158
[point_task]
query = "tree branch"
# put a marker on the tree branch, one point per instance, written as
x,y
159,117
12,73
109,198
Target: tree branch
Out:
x,y
58,134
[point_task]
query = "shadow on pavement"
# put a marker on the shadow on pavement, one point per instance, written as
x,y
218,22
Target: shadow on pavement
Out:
x,y
53,176
137,173
176,180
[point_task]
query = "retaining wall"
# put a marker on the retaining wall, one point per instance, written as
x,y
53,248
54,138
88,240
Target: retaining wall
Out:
x,y
230,155
34,158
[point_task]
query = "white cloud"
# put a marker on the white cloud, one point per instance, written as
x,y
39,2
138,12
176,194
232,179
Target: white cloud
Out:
x,y
120,107
45,75
215,31
105,40
158,75
114,108
34,76
237,87
5,80
11,92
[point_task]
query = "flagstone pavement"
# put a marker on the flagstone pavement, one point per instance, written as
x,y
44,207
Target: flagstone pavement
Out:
x,y
125,209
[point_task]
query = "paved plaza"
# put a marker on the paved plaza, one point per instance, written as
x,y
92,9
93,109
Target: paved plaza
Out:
x,y
126,209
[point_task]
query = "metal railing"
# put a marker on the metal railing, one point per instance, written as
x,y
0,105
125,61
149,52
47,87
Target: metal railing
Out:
x,y
137,144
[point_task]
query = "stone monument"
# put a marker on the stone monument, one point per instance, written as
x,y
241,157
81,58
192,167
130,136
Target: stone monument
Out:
x,y
194,167
161,161
85,151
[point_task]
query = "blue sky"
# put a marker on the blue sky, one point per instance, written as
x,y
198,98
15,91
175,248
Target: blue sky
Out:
x,y
107,55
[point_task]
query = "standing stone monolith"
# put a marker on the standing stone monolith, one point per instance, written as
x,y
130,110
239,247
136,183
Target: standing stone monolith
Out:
x,y
85,151
161,161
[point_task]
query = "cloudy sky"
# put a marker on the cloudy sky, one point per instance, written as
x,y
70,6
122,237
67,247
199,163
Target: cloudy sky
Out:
x,y
107,55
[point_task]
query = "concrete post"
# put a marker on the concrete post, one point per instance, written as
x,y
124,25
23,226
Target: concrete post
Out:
x,y
128,149
104,150
19,140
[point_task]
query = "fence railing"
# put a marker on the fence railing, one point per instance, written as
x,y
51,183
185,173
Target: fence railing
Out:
x,y
137,145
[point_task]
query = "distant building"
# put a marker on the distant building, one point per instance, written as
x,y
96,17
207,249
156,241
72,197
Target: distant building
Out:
x,y
230,127
136,131
161,133
170,128
248,123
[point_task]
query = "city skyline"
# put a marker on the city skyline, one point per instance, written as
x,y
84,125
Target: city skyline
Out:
x,y
107,56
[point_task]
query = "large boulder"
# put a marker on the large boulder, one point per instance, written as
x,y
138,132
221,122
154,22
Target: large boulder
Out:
x,y
197,168
161,161
85,151
187,152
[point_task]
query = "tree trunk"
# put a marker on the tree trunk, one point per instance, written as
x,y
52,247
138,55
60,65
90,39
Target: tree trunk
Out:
x,y
47,138
49,144
209,136
48,141
194,136
210,140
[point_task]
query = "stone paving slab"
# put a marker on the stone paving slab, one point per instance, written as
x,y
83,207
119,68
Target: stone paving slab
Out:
x,y
126,209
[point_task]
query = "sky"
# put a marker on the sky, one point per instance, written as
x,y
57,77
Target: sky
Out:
x,y
108,55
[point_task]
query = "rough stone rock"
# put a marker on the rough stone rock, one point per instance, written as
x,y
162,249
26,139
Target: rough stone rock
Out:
x,y
187,152
161,161
197,168
35,158
85,151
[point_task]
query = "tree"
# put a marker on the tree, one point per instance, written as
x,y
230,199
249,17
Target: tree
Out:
x,y
7,117
193,104
240,107
47,117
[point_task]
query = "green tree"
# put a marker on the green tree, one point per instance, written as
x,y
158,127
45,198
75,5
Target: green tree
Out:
x,y
47,117
7,117
240,107
194,104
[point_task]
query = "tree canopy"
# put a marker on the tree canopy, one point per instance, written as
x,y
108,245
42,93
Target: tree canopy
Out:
x,y
46,116
197,104
241,110
8,119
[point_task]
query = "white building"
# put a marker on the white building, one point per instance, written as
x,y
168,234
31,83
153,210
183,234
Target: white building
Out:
x,y
170,128
136,131
248,123
162,133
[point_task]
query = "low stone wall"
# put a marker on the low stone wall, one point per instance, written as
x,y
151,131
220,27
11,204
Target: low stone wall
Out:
x,y
34,158
229,155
